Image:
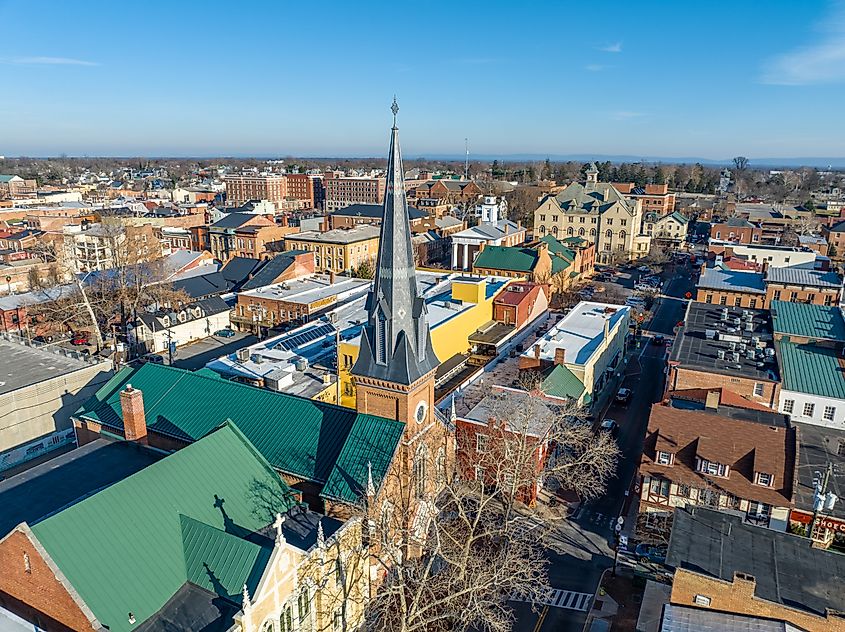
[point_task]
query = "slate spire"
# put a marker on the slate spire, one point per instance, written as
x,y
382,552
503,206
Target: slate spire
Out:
x,y
396,343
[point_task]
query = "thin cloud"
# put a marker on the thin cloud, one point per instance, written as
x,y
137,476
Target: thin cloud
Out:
x,y
625,115
616,47
48,61
594,67
819,63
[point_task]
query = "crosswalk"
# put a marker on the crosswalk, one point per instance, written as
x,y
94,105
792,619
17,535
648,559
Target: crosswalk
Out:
x,y
566,599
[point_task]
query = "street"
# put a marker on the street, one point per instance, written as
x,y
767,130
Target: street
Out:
x,y
581,548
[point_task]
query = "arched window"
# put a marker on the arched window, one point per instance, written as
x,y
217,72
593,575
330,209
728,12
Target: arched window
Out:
x,y
440,468
608,233
581,232
592,232
268,627
303,603
542,229
554,231
419,469
622,235
570,231
286,620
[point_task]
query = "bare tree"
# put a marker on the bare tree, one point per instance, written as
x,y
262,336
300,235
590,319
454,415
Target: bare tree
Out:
x,y
452,562
740,163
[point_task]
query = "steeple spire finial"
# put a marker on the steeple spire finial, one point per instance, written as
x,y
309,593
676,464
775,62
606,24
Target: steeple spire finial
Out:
x,y
395,109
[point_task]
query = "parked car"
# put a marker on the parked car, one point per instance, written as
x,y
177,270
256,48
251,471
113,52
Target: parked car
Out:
x,y
644,287
225,333
646,553
623,395
644,269
635,301
658,340
43,339
609,425
153,358
79,338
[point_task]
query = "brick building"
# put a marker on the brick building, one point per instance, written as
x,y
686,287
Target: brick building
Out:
x,y
358,214
305,187
341,192
737,230
450,191
720,566
246,235
338,250
12,186
734,288
725,347
516,303
656,198
245,187
803,285
835,236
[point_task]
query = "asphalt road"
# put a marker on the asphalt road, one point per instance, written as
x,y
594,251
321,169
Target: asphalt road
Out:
x,y
581,549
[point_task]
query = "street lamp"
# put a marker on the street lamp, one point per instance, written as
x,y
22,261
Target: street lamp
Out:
x,y
335,320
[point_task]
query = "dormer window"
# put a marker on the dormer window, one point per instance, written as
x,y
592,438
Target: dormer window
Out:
x,y
665,458
711,468
764,479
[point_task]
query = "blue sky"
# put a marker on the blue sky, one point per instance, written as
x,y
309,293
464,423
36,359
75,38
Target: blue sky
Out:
x,y
711,79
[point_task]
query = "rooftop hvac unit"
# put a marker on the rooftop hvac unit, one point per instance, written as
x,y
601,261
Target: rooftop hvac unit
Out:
x,y
257,358
710,334
301,364
242,354
749,326
721,353
737,320
732,346
755,340
749,355
725,313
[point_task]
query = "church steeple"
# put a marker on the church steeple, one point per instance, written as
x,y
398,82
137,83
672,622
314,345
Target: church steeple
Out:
x,y
396,343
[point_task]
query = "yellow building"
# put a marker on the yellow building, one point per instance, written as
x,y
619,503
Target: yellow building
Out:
x,y
338,250
457,307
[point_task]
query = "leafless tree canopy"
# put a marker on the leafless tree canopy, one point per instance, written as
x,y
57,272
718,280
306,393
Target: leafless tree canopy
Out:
x,y
453,562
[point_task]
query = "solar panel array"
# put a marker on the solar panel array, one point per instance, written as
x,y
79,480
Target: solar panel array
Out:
x,y
303,338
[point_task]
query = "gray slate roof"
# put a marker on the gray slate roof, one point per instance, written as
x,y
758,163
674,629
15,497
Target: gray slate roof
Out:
x,y
233,220
591,198
396,342
792,275
208,307
786,569
374,210
732,281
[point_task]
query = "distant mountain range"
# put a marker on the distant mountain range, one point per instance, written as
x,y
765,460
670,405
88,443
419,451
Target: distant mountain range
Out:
x,y
755,163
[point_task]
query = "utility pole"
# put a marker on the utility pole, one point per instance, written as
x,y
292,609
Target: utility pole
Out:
x,y
820,499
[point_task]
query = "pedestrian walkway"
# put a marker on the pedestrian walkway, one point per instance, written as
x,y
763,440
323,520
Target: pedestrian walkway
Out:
x,y
566,599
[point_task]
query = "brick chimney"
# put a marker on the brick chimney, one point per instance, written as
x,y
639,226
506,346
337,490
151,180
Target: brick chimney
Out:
x,y
537,352
560,355
134,420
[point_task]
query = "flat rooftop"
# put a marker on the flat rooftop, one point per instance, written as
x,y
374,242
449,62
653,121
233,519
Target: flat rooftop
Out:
x,y
23,366
716,339
580,332
339,235
310,289
732,281
787,570
817,447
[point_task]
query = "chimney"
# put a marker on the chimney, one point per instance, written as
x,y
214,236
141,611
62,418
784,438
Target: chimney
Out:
x,y
536,352
507,228
134,420
606,328
331,277
711,402
560,355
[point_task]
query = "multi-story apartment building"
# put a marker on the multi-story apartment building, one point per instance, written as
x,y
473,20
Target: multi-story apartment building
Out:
x,y
244,187
245,235
341,192
597,212
737,230
817,287
306,188
97,247
338,250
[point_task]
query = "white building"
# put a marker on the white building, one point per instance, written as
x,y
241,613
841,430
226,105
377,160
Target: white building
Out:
x,y
154,331
776,256
490,231
589,341
813,384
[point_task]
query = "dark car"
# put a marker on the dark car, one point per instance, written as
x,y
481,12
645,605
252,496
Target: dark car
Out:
x,y
225,333
43,339
153,358
658,340
623,395
609,425
646,553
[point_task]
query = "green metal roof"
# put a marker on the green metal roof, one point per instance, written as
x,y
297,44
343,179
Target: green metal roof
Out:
x,y
371,441
511,258
562,382
679,217
562,257
298,436
221,562
808,321
131,546
811,369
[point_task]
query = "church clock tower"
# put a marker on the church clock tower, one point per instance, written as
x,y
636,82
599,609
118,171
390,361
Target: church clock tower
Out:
x,y
394,373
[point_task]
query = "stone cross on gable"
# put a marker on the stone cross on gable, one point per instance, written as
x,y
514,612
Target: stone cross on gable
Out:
x,y
280,538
